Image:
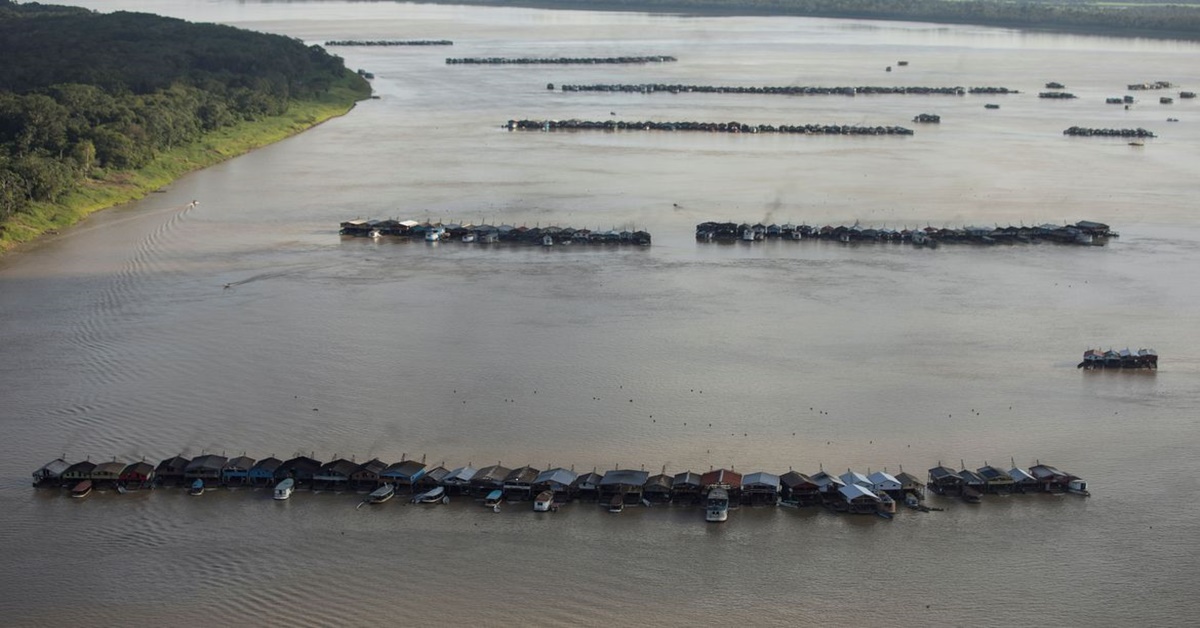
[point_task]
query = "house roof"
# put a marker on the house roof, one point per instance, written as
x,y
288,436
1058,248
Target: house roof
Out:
x,y
988,472
761,479
722,476
879,477
268,464
1045,472
1020,475
460,475
53,468
908,479
624,477
109,468
558,475
210,462
941,473
970,477
301,462
792,479
854,491
373,466
491,474
524,475
340,467
591,478
404,469
824,479
661,480
174,463
436,474
240,463
687,478
84,466
854,477
142,468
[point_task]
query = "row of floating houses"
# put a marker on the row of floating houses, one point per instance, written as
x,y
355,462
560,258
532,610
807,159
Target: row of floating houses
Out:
x,y
487,234
847,492
1082,232
787,90
390,42
704,127
1078,131
561,60
1124,359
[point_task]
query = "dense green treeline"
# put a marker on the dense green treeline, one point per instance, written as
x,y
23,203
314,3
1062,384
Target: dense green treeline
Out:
x,y
85,96
1122,17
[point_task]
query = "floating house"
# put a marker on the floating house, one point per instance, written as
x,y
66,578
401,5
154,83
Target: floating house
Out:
x,y
50,474
170,472
626,483
687,488
973,481
107,473
366,476
137,475
1023,482
489,479
518,484
335,475
457,481
828,485
301,469
207,467
884,482
657,489
854,477
263,472
431,479
236,471
995,480
587,486
945,481
727,479
760,489
78,472
558,481
404,474
911,484
1050,479
858,499
799,489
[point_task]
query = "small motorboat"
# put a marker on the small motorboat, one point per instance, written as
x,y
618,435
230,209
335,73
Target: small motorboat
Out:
x,y
468,238
83,489
197,488
432,496
617,504
494,499
543,502
284,489
382,494
716,507
1079,487
886,503
971,496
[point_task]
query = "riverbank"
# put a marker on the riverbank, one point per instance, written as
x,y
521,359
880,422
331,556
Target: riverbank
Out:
x,y
111,188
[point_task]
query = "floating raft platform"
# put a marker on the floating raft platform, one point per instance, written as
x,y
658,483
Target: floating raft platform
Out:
x,y
560,60
788,90
703,127
1084,232
1078,131
491,234
1096,359
390,42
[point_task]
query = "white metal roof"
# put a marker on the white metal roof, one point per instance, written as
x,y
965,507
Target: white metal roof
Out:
x,y
879,478
854,491
763,478
1019,475
854,477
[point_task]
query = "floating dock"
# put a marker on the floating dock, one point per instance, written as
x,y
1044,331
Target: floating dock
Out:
x,y
703,127
1142,359
785,90
561,60
1084,232
390,42
492,234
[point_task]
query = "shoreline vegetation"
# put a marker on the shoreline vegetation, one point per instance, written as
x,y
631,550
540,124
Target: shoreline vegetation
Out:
x,y
139,101
1133,18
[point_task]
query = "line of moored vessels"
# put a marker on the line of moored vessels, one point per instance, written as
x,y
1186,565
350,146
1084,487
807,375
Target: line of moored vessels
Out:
x,y
390,42
560,60
788,90
1123,359
717,490
705,127
1078,131
1083,232
490,234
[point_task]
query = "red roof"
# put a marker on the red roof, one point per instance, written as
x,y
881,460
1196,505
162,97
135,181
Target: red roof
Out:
x,y
721,476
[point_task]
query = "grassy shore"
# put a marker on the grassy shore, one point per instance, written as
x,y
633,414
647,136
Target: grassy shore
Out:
x,y
105,189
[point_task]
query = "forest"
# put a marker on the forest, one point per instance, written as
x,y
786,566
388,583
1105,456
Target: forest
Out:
x,y
84,95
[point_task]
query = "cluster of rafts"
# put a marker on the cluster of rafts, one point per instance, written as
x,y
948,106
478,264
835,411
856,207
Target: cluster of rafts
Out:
x,y
703,127
1124,359
490,234
717,491
786,90
1082,232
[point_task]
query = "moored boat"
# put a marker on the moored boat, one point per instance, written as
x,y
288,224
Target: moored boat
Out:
x,y
617,504
83,489
543,502
887,505
197,487
716,508
1079,487
494,499
284,489
382,494
432,496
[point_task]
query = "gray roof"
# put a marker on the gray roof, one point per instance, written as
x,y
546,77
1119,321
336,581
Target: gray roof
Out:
x,y
461,475
403,469
992,474
908,479
373,466
1045,472
210,462
661,480
558,475
524,475
1020,475
854,491
687,478
340,467
268,464
792,479
240,463
174,463
138,468
109,468
762,479
436,474
52,469
940,473
970,477
492,474
591,477
624,477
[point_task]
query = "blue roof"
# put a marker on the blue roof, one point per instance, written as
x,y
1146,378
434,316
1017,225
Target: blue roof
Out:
x,y
765,479
559,475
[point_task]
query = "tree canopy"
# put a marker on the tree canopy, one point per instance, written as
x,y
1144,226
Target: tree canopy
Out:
x,y
81,91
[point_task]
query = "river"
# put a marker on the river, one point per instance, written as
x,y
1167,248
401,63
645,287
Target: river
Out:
x,y
122,339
